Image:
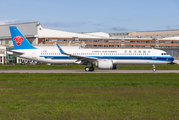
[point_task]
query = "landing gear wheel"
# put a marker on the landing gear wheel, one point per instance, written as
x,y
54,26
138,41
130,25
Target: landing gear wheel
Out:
x,y
91,68
154,68
87,69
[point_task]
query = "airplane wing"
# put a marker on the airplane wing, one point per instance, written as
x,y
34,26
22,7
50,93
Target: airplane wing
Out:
x,y
80,58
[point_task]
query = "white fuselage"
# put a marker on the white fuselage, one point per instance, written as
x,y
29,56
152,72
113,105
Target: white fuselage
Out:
x,y
118,56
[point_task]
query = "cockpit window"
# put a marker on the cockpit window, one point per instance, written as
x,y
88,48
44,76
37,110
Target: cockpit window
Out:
x,y
164,53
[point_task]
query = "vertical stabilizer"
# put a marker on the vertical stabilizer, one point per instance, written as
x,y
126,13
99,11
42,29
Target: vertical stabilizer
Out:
x,y
19,41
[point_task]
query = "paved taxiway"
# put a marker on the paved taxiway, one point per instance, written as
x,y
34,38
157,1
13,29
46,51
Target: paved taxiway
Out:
x,y
82,71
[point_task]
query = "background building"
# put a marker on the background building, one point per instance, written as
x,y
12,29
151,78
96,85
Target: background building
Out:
x,y
42,37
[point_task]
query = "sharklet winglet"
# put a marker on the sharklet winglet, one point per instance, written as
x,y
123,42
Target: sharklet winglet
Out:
x,y
60,49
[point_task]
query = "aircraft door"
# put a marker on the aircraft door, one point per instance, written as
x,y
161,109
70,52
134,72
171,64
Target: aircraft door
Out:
x,y
154,54
34,55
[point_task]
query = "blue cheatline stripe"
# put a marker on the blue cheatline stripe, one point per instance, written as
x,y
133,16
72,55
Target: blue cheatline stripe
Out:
x,y
154,58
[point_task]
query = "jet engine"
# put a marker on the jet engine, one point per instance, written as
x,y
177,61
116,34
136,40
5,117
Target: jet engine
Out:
x,y
105,64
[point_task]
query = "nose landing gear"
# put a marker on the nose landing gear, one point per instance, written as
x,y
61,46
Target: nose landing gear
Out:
x,y
154,68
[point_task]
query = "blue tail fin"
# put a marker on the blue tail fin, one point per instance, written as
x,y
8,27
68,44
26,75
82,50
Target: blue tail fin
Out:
x,y
19,41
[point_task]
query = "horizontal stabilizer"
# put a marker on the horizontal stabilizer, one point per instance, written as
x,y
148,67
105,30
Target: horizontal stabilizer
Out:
x,y
15,52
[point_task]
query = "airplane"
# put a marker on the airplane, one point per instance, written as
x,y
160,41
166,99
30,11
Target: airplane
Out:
x,y
101,58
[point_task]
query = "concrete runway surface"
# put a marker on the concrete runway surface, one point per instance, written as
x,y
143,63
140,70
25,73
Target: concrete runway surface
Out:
x,y
82,71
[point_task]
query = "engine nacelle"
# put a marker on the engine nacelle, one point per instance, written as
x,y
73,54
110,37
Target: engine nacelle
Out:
x,y
105,64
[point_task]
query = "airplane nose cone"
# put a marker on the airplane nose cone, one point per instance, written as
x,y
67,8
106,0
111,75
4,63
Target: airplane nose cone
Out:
x,y
172,59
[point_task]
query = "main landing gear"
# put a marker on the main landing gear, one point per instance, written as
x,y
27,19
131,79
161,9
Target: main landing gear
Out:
x,y
154,68
89,69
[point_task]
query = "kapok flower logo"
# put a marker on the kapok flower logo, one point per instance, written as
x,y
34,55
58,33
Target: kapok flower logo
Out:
x,y
18,40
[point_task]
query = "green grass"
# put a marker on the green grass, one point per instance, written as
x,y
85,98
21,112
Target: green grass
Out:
x,y
89,96
82,67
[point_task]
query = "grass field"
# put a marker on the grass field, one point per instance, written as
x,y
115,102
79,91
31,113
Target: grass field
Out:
x,y
82,67
89,96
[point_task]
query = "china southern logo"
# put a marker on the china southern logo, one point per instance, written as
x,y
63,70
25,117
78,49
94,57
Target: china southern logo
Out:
x,y
18,40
